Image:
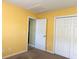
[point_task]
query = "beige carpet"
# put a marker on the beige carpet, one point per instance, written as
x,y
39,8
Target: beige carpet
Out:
x,y
36,54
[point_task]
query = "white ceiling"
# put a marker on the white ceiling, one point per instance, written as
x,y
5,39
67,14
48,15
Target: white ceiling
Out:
x,y
43,5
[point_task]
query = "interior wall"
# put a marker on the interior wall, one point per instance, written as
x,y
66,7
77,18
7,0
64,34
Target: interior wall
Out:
x,y
50,16
15,28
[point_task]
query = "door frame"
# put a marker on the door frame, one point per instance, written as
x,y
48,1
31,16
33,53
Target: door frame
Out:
x,y
28,20
28,32
73,15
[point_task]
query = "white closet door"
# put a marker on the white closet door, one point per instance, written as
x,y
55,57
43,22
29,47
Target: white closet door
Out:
x,y
73,47
65,36
62,37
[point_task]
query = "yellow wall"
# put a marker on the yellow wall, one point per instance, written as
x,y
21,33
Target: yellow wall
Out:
x,y
50,22
15,26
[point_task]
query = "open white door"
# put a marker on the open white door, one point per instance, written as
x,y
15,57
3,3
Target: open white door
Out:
x,y
40,39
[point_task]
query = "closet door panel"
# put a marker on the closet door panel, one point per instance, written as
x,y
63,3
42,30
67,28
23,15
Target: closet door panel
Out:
x,y
65,37
73,47
62,42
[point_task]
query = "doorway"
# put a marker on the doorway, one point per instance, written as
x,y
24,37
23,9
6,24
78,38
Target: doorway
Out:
x,y
37,33
31,32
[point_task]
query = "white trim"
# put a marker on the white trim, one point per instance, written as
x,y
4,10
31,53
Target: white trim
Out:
x,y
74,15
31,17
45,50
13,54
49,52
41,49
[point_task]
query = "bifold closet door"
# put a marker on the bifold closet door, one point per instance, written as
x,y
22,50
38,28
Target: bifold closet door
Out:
x,y
73,46
65,37
62,39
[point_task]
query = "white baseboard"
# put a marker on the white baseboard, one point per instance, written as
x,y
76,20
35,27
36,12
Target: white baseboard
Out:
x,y
46,50
49,51
13,54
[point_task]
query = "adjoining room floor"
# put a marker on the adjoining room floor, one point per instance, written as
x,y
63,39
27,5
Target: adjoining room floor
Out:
x,y
34,53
